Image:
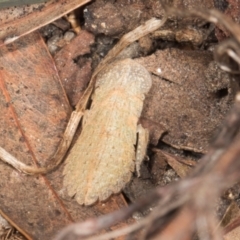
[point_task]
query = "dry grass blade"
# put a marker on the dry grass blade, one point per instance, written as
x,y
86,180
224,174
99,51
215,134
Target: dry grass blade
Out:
x,y
44,14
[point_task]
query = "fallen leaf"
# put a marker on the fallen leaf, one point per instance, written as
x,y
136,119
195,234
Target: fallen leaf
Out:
x,y
75,74
34,113
232,213
181,169
189,98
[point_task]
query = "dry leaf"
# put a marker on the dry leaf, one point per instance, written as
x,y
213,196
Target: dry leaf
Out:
x,y
34,112
232,212
180,168
75,76
190,96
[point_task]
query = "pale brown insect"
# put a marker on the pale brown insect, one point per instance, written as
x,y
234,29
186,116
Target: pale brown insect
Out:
x,y
102,160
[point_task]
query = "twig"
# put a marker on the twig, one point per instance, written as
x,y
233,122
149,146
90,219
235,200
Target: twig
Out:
x,y
163,195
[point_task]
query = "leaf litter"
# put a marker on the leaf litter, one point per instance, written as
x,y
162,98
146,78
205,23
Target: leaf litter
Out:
x,y
220,93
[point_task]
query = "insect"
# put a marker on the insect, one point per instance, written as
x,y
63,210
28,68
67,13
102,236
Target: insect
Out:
x,y
102,160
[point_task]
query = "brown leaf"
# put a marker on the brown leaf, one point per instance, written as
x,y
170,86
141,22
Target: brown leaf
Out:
x,y
232,213
156,130
190,97
34,112
181,169
75,76
17,22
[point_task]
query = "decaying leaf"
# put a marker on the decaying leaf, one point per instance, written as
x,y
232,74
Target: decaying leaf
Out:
x,y
181,169
34,111
102,160
190,96
75,76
